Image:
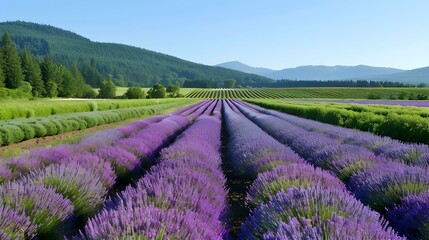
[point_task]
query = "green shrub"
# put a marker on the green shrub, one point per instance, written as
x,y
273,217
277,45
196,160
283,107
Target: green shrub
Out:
x,y
92,106
28,131
39,129
6,135
17,133
50,127
60,128
74,125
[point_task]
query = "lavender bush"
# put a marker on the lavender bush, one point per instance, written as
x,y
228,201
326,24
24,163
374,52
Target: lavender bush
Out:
x,y
45,208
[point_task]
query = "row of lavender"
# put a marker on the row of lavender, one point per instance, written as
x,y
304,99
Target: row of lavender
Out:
x,y
409,153
377,102
397,190
291,199
182,197
55,187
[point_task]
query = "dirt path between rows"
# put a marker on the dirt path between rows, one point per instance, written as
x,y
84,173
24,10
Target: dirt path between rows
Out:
x,y
69,137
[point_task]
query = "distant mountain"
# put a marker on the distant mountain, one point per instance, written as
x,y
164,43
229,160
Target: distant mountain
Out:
x,y
238,66
314,72
418,75
125,65
331,73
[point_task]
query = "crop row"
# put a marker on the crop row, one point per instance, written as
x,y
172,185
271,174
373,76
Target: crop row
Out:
x,y
388,185
291,199
17,130
54,189
408,153
281,93
378,102
44,108
182,197
400,123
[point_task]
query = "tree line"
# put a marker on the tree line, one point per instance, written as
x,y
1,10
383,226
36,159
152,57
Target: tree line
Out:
x,y
23,71
336,83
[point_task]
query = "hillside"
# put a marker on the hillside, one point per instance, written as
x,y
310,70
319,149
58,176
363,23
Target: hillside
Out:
x,y
314,72
238,66
126,65
418,75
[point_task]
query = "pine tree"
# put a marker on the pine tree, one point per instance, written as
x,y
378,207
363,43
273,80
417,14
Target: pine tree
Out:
x,y
1,71
11,63
107,90
50,76
79,82
32,73
67,86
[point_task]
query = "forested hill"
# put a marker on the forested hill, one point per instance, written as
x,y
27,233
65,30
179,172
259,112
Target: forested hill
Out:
x,y
125,65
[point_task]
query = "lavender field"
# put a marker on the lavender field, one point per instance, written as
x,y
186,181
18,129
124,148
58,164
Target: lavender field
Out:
x,y
378,102
219,169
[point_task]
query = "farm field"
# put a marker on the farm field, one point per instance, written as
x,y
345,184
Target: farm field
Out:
x,y
20,129
400,122
328,93
121,90
379,102
11,109
219,169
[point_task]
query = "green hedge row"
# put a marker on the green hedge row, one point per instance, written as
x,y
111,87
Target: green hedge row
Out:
x,y
6,93
14,131
377,109
45,108
406,127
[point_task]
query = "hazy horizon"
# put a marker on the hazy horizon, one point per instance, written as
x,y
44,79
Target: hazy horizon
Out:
x,y
272,34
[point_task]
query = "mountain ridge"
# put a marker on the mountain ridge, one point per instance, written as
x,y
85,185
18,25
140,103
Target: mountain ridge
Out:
x,y
123,64
314,72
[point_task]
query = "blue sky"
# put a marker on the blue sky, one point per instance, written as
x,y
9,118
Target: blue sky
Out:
x,y
271,33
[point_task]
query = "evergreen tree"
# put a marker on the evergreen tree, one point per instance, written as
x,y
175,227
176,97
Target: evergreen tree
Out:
x,y
66,85
1,71
107,90
79,82
157,91
50,76
229,83
92,75
32,73
135,93
173,90
11,63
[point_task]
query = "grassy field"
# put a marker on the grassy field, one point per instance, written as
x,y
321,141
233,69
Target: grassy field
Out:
x,y
18,130
12,109
315,93
121,90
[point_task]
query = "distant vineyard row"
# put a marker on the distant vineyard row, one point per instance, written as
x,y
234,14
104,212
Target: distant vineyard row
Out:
x,y
335,93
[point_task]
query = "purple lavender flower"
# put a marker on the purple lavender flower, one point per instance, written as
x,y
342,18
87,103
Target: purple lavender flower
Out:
x,y
251,149
336,228
316,204
5,172
412,154
345,160
411,218
293,175
82,187
14,225
148,223
55,154
123,161
384,185
95,164
135,146
46,208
